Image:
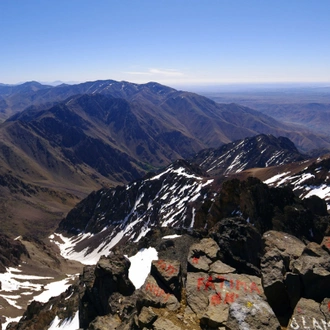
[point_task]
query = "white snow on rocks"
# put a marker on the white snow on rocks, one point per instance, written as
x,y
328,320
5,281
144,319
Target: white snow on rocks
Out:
x,y
66,324
141,265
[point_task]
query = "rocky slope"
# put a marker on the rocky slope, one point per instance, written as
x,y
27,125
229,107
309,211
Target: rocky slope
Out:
x,y
202,284
73,139
115,216
190,283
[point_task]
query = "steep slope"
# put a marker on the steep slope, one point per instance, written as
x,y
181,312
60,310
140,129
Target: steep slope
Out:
x,y
127,213
257,151
182,196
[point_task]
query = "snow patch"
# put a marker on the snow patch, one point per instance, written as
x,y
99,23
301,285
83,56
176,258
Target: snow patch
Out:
x,y
171,236
141,265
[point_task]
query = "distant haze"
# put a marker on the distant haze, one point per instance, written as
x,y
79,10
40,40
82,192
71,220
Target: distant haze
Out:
x,y
171,42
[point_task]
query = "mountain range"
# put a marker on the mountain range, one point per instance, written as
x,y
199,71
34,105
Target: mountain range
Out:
x,y
68,140
109,168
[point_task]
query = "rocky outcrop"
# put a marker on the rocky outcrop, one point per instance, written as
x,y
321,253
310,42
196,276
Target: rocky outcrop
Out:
x,y
10,252
106,289
313,269
240,244
292,271
281,285
194,285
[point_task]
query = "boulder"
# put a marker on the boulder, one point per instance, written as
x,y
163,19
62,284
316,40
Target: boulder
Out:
x,y
280,250
155,294
114,270
202,255
308,314
313,267
251,312
168,272
240,244
219,267
110,276
209,296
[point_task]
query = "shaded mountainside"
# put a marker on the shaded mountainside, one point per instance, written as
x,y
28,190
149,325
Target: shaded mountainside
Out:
x,y
181,196
73,139
258,151
191,114
127,213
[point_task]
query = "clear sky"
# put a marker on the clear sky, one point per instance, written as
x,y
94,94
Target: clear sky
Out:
x,y
169,41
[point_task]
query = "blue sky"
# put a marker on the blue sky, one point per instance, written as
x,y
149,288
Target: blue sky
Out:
x,y
170,41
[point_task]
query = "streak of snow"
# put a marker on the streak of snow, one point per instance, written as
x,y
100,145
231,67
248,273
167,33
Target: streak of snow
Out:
x,y
66,324
322,191
52,289
193,217
275,178
171,236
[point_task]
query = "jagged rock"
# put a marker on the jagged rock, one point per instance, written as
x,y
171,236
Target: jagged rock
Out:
x,y
202,254
121,305
157,295
116,268
110,276
164,324
169,273
88,303
146,317
10,252
280,250
210,295
240,244
309,314
251,312
313,266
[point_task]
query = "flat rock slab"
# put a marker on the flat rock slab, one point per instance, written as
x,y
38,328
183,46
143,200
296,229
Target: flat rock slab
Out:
x,y
309,314
210,295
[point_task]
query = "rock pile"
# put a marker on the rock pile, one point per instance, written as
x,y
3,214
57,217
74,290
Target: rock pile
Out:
x,y
273,281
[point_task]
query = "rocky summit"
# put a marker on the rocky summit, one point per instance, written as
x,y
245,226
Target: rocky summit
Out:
x,y
191,284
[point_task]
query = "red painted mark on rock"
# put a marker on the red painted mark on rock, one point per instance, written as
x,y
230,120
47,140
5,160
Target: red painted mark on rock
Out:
x,y
327,242
229,298
167,267
195,260
329,306
157,291
219,283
